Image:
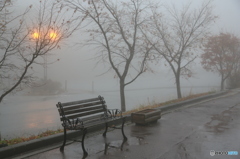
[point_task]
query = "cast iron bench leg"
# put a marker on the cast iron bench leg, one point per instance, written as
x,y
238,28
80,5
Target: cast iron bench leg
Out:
x,y
106,128
106,148
124,140
83,148
64,141
124,136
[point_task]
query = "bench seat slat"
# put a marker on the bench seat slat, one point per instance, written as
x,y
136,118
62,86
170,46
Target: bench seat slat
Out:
x,y
94,117
79,102
103,121
89,118
91,123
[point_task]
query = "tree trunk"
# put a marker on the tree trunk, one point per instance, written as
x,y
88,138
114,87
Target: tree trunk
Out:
x,y
1,98
222,83
122,96
179,94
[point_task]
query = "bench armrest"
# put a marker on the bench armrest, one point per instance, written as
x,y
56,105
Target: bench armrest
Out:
x,y
113,113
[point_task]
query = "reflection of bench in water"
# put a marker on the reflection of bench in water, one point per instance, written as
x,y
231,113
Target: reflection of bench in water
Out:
x,y
107,145
84,114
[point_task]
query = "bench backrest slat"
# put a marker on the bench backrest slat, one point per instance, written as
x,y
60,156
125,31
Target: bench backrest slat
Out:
x,y
88,108
81,110
79,102
80,106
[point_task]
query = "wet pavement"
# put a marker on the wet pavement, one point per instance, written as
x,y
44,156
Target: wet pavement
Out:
x,y
187,133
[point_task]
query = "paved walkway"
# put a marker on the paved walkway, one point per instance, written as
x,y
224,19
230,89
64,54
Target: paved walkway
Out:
x,y
187,133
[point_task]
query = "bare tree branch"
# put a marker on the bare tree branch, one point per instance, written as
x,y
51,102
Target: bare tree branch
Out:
x,y
25,43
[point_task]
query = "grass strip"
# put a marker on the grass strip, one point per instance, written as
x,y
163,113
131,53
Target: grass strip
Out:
x,y
32,137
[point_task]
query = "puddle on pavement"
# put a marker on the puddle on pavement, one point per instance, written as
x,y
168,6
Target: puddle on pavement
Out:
x,y
120,145
136,137
220,122
182,151
136,141
141,130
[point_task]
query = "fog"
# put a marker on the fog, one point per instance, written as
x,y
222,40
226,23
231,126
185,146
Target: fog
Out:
x,y
78,68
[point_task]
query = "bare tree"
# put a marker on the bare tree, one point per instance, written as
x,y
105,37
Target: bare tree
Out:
x,y
178,35
23,42
10,41
221,55
115,32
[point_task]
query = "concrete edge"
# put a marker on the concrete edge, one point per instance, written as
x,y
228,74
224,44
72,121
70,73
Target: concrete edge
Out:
x,y
190,101
21,148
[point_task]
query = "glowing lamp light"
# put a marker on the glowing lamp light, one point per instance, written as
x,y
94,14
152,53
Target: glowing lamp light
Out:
x,y
53,35
35,35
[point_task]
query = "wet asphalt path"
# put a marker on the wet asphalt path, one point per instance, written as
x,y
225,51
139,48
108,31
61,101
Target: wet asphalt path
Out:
x,y
187,133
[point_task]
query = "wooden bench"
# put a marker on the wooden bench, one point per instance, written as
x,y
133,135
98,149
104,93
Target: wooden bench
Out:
x,y
84,114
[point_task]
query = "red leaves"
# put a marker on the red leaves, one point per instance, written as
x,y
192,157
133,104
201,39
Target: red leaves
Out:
x,y
221,52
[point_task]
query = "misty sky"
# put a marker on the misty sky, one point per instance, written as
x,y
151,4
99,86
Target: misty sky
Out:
x,y
76,67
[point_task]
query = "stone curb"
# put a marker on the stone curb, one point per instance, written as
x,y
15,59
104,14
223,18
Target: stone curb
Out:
x,y
21,148
190,101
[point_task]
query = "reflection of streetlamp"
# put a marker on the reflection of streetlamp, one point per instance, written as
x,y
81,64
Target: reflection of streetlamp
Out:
x,y
52,36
